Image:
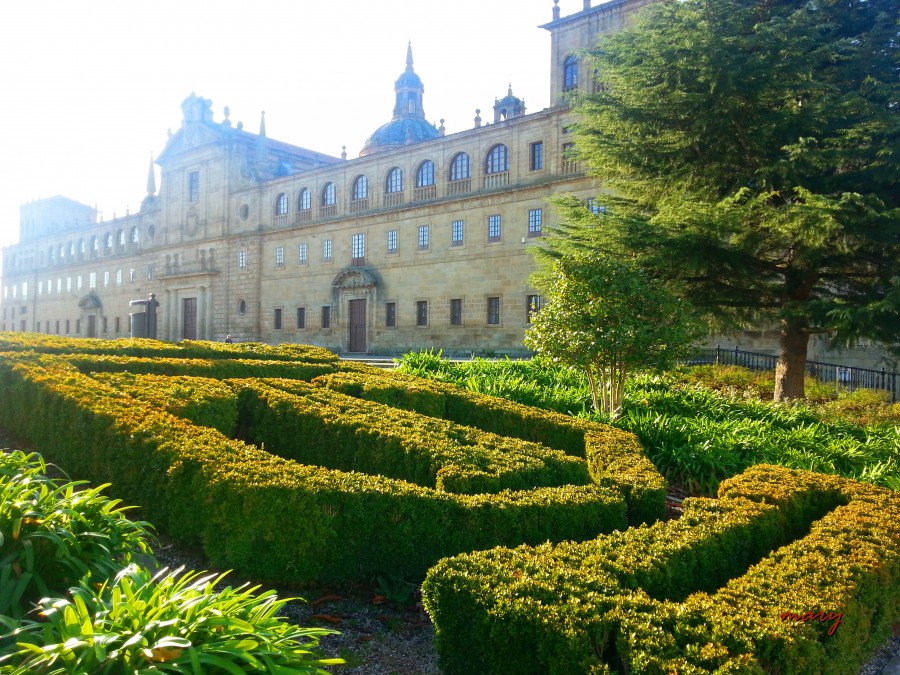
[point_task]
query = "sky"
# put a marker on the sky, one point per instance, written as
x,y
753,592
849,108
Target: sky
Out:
x,y
89,88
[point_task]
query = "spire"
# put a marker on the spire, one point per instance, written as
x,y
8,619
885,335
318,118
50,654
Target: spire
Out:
x,y
408,90
262,125
151,178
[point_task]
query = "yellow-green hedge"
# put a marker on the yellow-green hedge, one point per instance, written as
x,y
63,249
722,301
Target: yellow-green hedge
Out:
x,y
615,458
262,515
702,594
319,426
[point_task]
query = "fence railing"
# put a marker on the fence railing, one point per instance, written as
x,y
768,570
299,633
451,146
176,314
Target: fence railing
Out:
x,y
845,377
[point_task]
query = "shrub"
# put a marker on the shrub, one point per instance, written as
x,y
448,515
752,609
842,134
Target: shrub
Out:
x,y
54,534
170,622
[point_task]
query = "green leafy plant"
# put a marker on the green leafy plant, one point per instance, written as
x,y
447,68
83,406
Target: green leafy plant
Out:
x,y
54,534
170,622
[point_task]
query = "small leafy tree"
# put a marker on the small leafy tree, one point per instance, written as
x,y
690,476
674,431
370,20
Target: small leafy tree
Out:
x,y
610,318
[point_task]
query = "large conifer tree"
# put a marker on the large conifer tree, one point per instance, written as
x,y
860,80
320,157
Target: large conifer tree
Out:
x,y
751,153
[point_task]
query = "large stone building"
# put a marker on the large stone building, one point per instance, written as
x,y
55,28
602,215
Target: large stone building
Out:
x,y
421,241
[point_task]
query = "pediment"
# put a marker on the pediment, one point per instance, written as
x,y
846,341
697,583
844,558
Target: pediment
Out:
x,y
355,277
90,301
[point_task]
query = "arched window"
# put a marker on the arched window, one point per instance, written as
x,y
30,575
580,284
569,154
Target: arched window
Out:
x,y
281,205
107,240
460,167
81,247
62,251
570,73
329,195
304,202
394,182
52,253
71,249
135,237
361,188
425,174
497,159
95,243
120,237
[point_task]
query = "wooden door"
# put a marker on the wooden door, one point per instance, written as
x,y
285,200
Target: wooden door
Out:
x,y
357,342
189,319
91,326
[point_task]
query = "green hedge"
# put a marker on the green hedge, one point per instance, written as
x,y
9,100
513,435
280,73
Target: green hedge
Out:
x,y
615,458
222,368
318,426
140,347
701,594
267,517
201,400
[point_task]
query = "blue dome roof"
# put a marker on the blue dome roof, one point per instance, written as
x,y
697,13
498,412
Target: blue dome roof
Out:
x,y
409,80
397,133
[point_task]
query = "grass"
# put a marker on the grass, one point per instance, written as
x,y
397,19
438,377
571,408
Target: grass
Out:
x,y
703,424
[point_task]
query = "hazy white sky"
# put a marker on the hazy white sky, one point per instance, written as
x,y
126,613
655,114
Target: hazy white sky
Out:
x,y
89,88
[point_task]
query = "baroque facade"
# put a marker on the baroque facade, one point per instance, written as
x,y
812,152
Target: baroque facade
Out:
x,y
419,242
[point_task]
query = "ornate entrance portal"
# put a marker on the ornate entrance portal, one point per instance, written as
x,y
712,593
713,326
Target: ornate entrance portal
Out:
x,y
354,292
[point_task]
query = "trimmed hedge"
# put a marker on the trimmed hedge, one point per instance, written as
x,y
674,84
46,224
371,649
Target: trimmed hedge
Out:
x,y
702,594
201,400
267,517
318,426
141,347
615,458
216,368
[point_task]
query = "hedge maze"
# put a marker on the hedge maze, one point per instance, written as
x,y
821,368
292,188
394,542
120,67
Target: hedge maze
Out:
x,y
539,536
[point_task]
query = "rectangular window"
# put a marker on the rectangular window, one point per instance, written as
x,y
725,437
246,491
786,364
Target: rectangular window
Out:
x,y
493,228
279,256
57,326
532,305
59,285
105,324
118,324
132,275
40,289
493,310
326,316
535,222
77,326
456,234
67,326
595,208
69,285
276,320
118,278
150,271
456,312
301,318
242,260
537,156
327,250
424,234
106,280
390,314
194,186
392,241
302,253
92,280
422,313
358,249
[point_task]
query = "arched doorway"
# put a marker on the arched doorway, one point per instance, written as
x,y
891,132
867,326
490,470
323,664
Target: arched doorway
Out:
x,y
354,291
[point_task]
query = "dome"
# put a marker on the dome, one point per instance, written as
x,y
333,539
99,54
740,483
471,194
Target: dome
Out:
x,y
408,124
397,133
408,79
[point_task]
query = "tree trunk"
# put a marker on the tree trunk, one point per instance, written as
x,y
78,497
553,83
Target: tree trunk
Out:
x,y
790,372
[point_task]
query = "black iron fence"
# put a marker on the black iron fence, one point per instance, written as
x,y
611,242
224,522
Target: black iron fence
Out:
x,y
845,377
